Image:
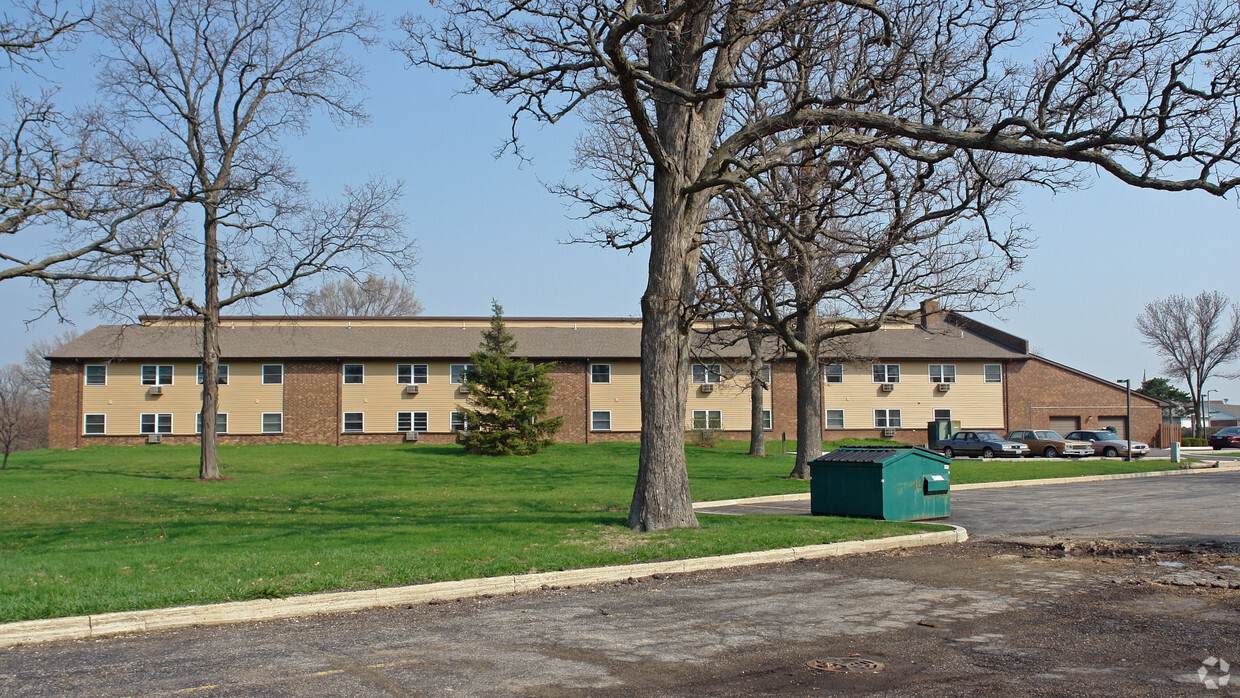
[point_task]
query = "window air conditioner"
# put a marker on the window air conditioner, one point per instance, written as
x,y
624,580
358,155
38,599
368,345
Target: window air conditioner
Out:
x,y
888,387
944,387
889,432
411,390
156,390
411,435
154,438
708,387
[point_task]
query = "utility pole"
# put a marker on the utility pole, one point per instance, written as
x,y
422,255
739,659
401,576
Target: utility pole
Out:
x,y
1128,417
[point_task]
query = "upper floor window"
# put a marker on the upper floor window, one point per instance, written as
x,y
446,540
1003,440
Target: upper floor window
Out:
x,y
707,373
411,374
96,374
993,373
600,373
833,373
886,373
273,374
223,379
354,374
942,373
157,374
457,373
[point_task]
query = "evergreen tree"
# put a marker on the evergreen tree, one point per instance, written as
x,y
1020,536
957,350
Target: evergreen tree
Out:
x,y
507,397
1162,389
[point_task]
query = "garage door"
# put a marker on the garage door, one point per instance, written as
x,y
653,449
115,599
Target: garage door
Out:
x,y
1063,425
1117,424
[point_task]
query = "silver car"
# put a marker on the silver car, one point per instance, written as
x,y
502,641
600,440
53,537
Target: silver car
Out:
x,y
1109,444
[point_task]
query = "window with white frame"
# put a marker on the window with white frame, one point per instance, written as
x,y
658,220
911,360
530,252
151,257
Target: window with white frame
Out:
x,y
273,374
942,413
157,374
96,374
223,379
993,373
458,422
354,422
765,374
95,424
886,373
766,420
886,419
221,423
411,374
410,421
600,373
157,423
942,373
457,373
707,373
833,373
707,419
834,419
354,374
600,420
273,422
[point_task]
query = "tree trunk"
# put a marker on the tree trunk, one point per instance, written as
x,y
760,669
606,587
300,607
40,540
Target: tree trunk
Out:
x,y
757,434
809,393
209,468
5,464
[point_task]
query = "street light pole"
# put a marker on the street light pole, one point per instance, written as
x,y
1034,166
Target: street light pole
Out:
x,y
1205,417
1128,417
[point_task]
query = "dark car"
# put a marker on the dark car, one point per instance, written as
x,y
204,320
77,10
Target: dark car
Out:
x,y
1225,438
986,444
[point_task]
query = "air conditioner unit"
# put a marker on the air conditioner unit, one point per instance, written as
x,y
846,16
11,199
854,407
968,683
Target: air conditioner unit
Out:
x,y
464,388
708,387
889,432
411,435
944,387
411,390
154,438
888,387
156,390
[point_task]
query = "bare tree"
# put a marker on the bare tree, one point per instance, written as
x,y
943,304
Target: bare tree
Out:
x,y
203,91
374,296
1142,89
1194,336
17,412
36,369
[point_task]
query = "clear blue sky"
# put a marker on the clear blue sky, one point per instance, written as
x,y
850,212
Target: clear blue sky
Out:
x,y
488,228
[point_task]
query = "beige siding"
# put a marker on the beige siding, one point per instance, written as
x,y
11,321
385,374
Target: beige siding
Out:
x,y
622,396
124,399
730,397
972,401
381,397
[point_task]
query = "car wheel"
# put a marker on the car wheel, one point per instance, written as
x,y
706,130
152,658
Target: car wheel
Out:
x,y
947,452
988,453
1218,448
1110,452
1050,452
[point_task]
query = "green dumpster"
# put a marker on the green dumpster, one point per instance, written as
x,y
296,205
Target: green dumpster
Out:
x,y
894,483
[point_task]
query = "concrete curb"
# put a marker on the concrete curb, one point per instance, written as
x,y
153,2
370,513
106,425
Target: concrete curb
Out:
x,y
105,624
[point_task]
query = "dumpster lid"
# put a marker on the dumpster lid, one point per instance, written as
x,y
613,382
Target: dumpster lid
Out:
x,y
874,454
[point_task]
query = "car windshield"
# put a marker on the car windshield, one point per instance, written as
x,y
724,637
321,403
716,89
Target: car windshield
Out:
x,y
989,436
1106,435
1048,435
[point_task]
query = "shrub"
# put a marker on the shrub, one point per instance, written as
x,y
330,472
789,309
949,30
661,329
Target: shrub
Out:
x,y
706,438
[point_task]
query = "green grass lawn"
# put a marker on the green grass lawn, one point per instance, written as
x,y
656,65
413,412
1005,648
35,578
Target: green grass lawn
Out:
x,y
999,470
115,528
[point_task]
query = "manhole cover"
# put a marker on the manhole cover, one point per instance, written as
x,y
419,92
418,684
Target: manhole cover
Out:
x,y
847,664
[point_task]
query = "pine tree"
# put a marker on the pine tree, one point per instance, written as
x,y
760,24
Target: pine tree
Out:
x,y
507,397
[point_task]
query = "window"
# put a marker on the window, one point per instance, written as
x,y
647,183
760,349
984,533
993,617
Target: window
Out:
x,y
458,422
706,373
354,374
457,373
833,373
273,422
96,374
411,421
835,419
600,373
221,423
886,373
157,375
95,424
942,414
411,374
707,419
993,373
353,421
766,375
766,420
223,379
600,420
942,373
886,419
157,423
273,374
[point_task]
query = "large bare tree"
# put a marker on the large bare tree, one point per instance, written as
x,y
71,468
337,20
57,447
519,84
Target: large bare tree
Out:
x,y
1195,337
202,92
373,296
1146,91
18,412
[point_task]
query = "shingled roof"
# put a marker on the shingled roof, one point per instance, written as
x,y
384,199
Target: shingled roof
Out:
x,y
290,341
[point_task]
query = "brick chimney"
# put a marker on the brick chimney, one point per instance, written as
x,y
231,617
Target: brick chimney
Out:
x,y
930,313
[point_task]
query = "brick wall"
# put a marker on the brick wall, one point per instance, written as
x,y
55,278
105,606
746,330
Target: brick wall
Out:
x,y
1039,390
63,428
311,407
569,400
783,399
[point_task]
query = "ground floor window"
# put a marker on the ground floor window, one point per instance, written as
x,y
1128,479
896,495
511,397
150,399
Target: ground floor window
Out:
x,y
835,419
96,424
766,420
942,415
707,419
458,421
273,422
411,421
353,421
600,420
157,423
221,423
886,419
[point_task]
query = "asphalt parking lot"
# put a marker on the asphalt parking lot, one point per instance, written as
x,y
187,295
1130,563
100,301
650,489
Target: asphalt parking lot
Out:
x,y
1048,608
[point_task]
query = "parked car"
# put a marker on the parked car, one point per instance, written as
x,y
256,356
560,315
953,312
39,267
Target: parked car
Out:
x,y
1051,444
1225,438
986,444
1108,443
